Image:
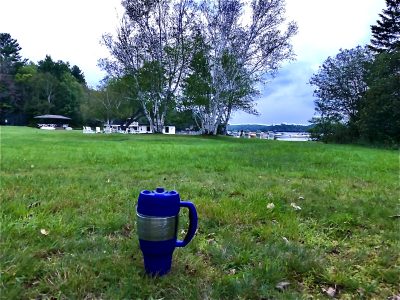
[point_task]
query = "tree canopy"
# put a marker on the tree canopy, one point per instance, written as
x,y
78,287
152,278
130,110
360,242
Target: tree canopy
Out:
x,y
29,89
151,47
340,84
380,111
165,41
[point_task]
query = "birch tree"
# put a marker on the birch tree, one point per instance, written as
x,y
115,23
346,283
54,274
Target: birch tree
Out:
x,y
247,42
152,41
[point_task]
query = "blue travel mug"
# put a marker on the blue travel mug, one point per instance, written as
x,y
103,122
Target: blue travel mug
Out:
x,y
157,217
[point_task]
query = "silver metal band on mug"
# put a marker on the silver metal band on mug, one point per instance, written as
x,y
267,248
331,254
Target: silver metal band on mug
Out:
x,y
156,228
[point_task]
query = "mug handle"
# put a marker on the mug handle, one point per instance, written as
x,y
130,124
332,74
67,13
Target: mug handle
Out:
x,y
192,223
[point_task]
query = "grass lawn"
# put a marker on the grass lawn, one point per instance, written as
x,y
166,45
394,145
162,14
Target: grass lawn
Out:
x,y
82,190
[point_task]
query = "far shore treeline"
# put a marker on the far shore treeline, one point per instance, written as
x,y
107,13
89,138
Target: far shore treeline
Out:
x,y
193,64
275,127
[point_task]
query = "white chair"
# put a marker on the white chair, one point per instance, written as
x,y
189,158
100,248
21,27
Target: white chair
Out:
x,y
87,129
98,130
107,129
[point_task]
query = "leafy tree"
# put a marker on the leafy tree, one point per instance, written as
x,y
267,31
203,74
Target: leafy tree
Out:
x,y
329,129
386,34
182,119
380,111
115,99
50,87
69,96
30,89
197,86
153,82
340,86
151,41
239,92
241,53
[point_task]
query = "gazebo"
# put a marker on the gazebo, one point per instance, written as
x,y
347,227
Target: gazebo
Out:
x,y
52,122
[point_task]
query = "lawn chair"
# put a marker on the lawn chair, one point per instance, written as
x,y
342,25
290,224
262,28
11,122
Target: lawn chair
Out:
x,y
107,129
87,129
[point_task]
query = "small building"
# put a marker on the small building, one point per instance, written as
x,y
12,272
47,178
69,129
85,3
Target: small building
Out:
x,y
145,129
168,130
133,128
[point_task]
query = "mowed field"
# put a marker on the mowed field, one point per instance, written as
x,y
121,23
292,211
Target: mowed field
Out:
x,y
68,217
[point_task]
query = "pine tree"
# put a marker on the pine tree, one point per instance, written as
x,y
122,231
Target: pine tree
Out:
x,y
10,59
386,34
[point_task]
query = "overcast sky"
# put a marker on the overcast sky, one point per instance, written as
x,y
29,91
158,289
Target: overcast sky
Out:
x,y
70,30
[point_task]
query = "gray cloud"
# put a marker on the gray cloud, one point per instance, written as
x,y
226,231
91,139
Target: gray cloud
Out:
x,y
287,98
324,28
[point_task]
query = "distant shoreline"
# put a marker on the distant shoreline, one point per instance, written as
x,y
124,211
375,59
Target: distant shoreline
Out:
x,y
266,128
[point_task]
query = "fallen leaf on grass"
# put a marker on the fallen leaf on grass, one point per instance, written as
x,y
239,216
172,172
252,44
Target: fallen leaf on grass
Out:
x,y
232,271
301,198
331,292
210,241
189,269
283,285
295,206
270,206
44,231
286,240
395,297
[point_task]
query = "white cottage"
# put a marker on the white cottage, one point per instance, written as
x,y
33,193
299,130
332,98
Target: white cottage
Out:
x,y
145,129
134,127
168,130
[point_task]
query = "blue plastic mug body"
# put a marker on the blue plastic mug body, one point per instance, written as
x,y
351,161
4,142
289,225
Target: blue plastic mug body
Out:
x,y
157,224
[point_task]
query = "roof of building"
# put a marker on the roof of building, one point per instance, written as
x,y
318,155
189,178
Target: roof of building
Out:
x,y
52,117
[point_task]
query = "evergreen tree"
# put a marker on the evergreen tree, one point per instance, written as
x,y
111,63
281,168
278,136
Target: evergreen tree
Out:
x,y
10,62
386,34
57,69
10,59
78,74
380,111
